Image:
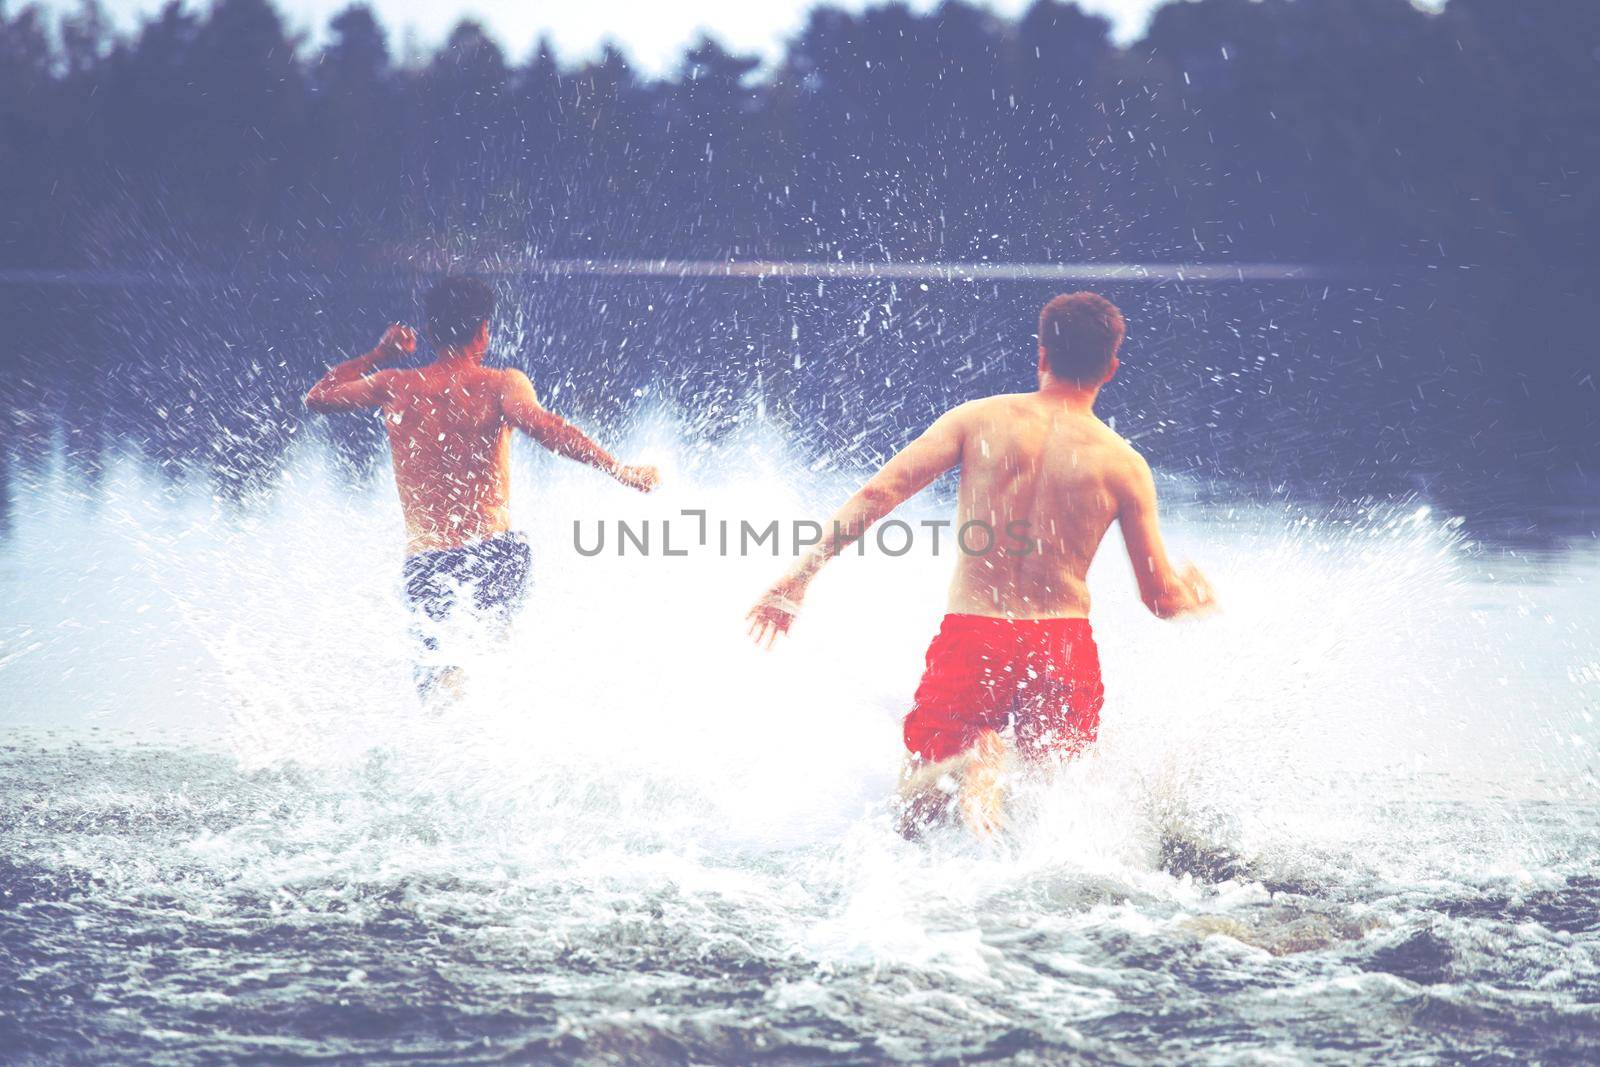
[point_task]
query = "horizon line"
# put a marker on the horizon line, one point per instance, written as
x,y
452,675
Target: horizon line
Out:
x,y
758,269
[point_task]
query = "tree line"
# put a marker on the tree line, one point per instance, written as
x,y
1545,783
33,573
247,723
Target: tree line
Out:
x,y
1455,150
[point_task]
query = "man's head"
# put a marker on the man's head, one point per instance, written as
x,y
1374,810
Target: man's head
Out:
x,y
458,310
1079,334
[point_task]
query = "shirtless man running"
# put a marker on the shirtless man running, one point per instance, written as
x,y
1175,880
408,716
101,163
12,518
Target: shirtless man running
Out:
x,y
449,425
1016,648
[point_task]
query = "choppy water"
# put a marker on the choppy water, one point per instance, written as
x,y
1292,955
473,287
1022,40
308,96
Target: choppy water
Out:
x,y
1352,818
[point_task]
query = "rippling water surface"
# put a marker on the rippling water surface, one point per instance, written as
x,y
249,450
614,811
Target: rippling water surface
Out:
x,y
1352,817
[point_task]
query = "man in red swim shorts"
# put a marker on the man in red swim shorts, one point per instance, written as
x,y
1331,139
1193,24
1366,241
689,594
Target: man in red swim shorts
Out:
x,y
1042,480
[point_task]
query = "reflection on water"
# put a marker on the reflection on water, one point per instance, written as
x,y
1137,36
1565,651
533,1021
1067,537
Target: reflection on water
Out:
x,y
1353,815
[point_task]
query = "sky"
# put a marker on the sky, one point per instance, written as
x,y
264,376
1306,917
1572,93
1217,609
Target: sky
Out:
x,y
654,33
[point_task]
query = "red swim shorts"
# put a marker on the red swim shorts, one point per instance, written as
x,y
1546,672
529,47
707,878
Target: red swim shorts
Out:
x,y
1041,676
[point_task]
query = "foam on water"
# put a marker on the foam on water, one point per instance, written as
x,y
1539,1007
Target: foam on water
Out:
x,y
1370,720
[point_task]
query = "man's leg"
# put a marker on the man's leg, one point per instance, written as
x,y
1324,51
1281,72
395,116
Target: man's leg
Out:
x,y
927,791
970,784
505,567
957,760
475,593
983,785
434,584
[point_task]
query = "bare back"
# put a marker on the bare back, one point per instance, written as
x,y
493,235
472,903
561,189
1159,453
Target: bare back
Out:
x,y
451,444
1042,480
1033,467
449,426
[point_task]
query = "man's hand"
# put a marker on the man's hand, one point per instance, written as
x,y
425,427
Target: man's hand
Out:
x,y
1198,595
638,476
775,612
398,340
352,385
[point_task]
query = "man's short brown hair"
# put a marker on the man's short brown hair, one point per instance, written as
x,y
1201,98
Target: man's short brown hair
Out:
x,y
1080,334
456,307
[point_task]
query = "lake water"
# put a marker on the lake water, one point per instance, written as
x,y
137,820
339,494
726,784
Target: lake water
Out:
x,y
1355,816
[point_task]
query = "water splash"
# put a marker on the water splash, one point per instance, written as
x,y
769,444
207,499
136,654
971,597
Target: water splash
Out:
x,y
1384,724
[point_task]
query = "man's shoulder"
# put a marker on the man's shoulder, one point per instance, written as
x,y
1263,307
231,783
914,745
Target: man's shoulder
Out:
x,y
1119,449
1115,441
1126,467
403,380
1100,448
988,405
509,377
513,383
389,381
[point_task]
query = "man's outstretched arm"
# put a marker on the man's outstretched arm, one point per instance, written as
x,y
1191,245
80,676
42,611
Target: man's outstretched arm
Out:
x,y
522,409
352,385
1167,591
904,476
